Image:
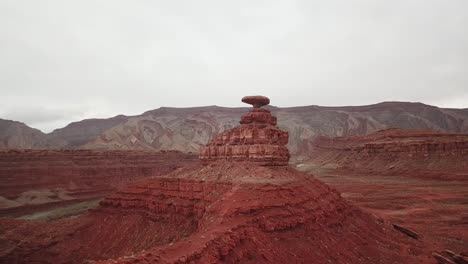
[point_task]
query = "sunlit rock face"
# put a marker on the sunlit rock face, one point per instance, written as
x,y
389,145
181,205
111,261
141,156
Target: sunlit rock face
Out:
x,y
257,139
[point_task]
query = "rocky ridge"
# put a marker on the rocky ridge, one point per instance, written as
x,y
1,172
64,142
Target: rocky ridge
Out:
x,y
432,153
257,139
189,129
15,134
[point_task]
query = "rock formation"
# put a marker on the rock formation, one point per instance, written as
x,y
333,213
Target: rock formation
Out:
x,y
414,178
34,178
189,129
219,212
420,153
256,101
257,139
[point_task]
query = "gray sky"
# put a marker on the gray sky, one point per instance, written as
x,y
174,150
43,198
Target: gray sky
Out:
x,y
63,61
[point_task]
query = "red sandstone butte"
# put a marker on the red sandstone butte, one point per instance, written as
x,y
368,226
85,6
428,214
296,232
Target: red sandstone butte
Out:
x,y
257,139
219,212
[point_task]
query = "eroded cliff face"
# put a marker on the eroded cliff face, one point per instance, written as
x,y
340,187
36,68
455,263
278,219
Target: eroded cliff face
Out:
x,y
257,139
396,149
184,130
36,177
227,212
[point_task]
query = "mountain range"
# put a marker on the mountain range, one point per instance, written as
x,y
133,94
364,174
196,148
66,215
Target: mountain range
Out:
x,y
187,129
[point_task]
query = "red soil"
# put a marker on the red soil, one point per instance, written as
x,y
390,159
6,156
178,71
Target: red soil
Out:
x,y
222,212
435,209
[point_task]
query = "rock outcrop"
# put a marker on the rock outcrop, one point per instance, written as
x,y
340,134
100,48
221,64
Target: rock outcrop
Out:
x,y
231,209
222,212
256,101
257,139
29,178
420,153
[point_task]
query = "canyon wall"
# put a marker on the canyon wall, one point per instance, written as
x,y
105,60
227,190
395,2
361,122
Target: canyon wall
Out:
x,y
423,152
33,177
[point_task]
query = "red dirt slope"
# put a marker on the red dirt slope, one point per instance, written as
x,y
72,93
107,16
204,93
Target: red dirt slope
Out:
x,y
223,212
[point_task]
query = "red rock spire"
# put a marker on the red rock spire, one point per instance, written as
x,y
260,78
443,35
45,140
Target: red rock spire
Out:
x,y
257,139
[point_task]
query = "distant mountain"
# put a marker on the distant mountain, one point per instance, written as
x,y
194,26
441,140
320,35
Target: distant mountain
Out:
x,y
15,134
186,129
79,133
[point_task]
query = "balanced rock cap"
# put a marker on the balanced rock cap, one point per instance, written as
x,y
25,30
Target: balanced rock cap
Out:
x,y
256,100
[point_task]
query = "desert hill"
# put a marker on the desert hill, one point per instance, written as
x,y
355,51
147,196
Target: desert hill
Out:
x,y
14,134
78,133
187,129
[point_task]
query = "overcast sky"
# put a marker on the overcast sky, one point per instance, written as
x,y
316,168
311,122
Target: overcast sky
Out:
x,y
63,61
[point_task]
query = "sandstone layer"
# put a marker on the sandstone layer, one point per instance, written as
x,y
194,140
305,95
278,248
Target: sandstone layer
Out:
x,y
222,212
424,153
257,139
33,178
256,101
413,178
